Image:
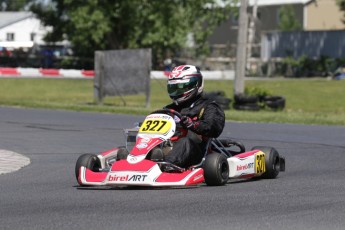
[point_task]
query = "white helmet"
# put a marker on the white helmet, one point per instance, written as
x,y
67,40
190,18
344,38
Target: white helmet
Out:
x,y
185,83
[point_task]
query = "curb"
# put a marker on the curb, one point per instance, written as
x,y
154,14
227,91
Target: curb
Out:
x,y
12,161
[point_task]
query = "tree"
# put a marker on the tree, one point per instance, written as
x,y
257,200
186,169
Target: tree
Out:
x,y
287,19
13,5
162,25
341,4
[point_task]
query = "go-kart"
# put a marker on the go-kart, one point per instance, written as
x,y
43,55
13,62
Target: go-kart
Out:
x,y
135,165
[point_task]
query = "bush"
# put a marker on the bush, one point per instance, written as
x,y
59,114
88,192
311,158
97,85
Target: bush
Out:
x,y
257,91
308,67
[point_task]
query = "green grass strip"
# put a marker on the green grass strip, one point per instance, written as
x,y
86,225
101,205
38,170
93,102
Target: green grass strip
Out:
x,y
308,101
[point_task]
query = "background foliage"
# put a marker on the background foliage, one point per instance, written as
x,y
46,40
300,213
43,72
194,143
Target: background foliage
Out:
x,y
341,4
13,5
163,25
288,20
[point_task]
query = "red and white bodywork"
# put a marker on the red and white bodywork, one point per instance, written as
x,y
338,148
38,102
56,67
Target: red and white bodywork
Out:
x,y
144,173
247,164
138,171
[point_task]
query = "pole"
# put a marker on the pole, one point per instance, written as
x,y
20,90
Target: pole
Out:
x,y
99,77
241,49
251,32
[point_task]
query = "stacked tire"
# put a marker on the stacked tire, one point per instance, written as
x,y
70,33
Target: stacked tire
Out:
x,y
245,102
219,97
255,102
274,102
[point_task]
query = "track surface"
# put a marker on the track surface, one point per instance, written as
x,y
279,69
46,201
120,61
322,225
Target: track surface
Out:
x,y
45,195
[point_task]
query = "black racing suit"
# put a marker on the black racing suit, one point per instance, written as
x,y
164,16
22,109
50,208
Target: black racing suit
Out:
x,y
209,121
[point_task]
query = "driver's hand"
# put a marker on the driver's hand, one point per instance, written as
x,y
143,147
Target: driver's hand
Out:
x,y
186,122
176,119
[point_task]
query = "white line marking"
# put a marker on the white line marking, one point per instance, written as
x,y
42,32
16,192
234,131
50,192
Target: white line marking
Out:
x,y
12,161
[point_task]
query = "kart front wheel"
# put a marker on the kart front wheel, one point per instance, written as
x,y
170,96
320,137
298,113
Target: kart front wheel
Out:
x,y
90,161
272,161
216,169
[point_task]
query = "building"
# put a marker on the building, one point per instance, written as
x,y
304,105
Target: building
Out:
x,y
322,34
20,30
313,15
323,15
22,42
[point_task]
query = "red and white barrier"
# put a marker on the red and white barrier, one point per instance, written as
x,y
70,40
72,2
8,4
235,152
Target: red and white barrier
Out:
x,y
54,73
88,74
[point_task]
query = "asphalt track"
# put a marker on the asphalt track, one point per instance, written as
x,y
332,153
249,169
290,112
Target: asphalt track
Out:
x,y
45,195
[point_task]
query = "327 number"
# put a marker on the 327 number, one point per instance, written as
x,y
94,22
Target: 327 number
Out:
x,y
153,126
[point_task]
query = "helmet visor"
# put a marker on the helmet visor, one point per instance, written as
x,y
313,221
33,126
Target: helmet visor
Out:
x,y
182,86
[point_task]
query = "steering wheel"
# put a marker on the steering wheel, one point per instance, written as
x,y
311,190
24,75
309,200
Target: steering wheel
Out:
x,y
180,132
169,112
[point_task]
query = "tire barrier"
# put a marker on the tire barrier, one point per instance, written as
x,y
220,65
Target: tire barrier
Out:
x,y
274,102
219,97
247,107
245,102
256,103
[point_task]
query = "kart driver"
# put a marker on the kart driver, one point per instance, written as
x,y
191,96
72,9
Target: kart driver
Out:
x,y
202,117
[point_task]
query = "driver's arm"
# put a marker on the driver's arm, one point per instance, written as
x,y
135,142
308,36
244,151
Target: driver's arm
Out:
x,y
211,123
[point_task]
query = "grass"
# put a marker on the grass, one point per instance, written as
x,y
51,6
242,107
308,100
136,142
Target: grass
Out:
x,y
309,101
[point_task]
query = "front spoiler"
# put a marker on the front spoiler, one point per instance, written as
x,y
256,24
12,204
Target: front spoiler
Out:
x,y
136,176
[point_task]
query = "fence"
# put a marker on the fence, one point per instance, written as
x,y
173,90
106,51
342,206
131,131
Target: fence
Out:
x,y
313,44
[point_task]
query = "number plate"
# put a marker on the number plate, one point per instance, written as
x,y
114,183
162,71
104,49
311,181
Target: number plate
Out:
x,y
260,165
157,126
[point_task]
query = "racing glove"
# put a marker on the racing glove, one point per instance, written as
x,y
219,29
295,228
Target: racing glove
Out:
x,y
187,122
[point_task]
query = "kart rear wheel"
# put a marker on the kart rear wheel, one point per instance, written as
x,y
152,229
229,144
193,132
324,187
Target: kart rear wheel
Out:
x,y
272,161
216,169
90,161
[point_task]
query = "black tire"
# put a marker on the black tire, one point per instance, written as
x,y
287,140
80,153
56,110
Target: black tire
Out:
x,y
219,98
272,161
214,94
90,161
247,107
242,99
223,100
275,102
216,169
271,98
224,107
276,105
